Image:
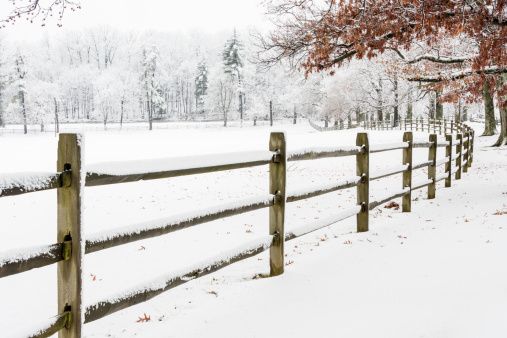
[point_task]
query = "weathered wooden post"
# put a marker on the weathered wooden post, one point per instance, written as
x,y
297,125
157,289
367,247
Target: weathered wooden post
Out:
x,y
471,157
277,187
407,175
459,148
295,114
466,148
432,169
363,188
439,127
69,230
448,165
416,124
452,126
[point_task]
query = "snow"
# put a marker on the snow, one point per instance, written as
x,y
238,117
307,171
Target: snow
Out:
x,y
179,163
442,161
310,227
387,196
389,171
36,327
28,181
162,281
388,146
322,187
437,271
421,184
159,223
317,150
23,254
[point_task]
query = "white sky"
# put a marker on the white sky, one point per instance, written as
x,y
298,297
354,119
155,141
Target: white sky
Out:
x,y
140,15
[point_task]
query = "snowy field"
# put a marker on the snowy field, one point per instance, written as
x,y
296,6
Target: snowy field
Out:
x,y
439,271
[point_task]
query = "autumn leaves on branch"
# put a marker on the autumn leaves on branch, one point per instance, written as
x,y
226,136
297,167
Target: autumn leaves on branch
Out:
x,y
457,45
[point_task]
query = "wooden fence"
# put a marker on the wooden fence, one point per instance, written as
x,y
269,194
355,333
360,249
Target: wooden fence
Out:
x,y
70,179
439,126
339,125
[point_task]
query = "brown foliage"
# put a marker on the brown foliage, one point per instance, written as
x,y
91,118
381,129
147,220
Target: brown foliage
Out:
x,y
145,319
393,205
317,36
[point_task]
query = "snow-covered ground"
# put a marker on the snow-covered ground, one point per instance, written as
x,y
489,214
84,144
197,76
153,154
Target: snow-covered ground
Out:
x,y
439,271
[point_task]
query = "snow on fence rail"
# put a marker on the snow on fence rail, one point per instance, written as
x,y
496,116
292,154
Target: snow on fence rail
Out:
x,y
440,125
71,179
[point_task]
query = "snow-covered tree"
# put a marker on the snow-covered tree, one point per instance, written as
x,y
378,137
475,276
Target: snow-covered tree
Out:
x,y
152,76
201,85
233,65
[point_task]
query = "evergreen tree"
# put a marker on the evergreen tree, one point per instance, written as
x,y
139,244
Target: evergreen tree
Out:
x,y
233,62
233,65
201,85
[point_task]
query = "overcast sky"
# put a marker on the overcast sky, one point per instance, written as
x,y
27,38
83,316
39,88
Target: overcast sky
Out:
x,y
166,15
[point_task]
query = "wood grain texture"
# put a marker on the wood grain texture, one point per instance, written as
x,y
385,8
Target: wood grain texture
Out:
x,y
69,228
277,187
363,188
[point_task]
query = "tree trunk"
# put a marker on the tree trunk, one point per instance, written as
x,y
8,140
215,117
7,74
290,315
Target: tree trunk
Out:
x,y
410,106
432,106
25,127
379,105
121,115
241,107
271,113
396,102
57,125
490,125
502,137
439,107
457,111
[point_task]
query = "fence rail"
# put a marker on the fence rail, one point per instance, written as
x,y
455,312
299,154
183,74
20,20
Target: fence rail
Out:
x,y
438,125
339,125
70,180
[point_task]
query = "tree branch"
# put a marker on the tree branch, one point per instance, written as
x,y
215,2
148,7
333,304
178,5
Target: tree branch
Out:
x,y
459,75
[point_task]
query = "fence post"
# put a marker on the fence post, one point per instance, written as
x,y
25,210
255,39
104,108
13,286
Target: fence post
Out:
x,y
416,124
432,169
363,188
407,175
470,158
277,185
467,149
448,165
439,127
69,229
459,148
452,126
